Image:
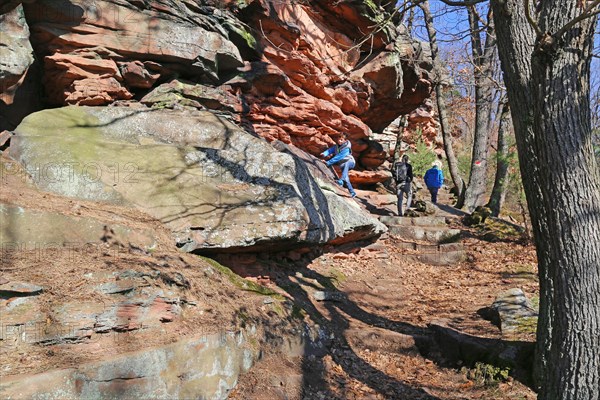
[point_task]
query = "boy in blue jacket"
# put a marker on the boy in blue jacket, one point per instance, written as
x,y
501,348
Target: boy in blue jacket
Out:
x,y
434,179
342,156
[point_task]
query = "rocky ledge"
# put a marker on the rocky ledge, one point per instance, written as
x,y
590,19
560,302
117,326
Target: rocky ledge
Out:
x,y
213,184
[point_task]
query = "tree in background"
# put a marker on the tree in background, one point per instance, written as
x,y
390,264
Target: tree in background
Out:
x,y
502,161
545,48
465,107
441,103
483,50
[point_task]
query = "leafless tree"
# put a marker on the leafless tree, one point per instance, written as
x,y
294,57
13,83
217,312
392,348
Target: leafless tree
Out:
x,y
441,103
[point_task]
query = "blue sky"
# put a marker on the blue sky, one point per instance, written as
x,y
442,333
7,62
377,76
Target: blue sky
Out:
x,y
450,21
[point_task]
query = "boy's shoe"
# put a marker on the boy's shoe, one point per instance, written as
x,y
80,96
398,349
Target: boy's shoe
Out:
x,y
353,194
340,182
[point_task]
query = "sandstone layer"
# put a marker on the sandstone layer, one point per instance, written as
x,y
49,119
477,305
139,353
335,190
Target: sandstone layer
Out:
x,y
298,72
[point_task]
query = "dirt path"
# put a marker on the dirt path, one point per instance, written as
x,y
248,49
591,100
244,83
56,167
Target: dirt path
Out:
x,y
379,301
367,306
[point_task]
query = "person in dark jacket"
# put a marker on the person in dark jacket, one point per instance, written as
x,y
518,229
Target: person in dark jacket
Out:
x,y
342,156
434,179
403,175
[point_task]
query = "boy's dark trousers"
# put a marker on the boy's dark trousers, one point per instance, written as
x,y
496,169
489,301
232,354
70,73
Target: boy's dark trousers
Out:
x,y
434,193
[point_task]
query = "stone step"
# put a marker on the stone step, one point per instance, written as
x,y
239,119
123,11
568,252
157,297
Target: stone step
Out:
x,y
432,234
413,221
430,248
435,254
442,258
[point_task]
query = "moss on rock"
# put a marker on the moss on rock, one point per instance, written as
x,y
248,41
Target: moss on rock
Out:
x,y
240,282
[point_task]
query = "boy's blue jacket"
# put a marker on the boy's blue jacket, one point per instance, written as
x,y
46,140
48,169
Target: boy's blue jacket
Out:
x,y
342,153
434,177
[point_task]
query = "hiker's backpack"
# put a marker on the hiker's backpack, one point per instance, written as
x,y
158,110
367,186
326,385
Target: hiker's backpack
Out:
x,y
400,172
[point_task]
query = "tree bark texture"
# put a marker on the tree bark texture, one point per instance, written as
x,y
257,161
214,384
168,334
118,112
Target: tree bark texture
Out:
x,y
441,105
499,191
547,80
482,72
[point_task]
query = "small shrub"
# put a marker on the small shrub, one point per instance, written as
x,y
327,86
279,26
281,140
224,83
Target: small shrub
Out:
x,y
421,158
488,375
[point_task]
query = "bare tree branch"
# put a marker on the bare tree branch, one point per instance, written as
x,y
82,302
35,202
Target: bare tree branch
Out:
x,y
530,19
464,3
587,13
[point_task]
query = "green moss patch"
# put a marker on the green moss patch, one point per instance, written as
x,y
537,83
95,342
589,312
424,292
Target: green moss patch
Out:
x,y
526,325
495,230
336,278
240,282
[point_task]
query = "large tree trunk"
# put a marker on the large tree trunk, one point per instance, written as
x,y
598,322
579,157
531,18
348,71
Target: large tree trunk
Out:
x,y
482,72
441,105
548,89
499,191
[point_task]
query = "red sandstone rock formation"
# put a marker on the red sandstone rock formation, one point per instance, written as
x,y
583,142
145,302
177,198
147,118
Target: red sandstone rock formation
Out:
x,y
334,72
299,72
422,124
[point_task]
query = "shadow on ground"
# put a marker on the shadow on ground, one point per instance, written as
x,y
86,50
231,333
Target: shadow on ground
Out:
x,y
443,345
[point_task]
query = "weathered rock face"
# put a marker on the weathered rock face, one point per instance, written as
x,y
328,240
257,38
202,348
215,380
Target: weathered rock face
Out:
x,y
130,303
16,54
18,96
206,368
213,184
194,95
322,72
99,52
299,72
422,124
117,311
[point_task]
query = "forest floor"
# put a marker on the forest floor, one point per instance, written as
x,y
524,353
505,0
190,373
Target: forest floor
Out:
x,y
370,330
382,304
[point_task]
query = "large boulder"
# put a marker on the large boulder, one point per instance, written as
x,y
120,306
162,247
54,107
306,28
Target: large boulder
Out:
x,y
16,53
214,185
514,312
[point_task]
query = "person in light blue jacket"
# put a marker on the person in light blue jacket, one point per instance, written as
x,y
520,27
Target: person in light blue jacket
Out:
x,y
342,156
434,179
